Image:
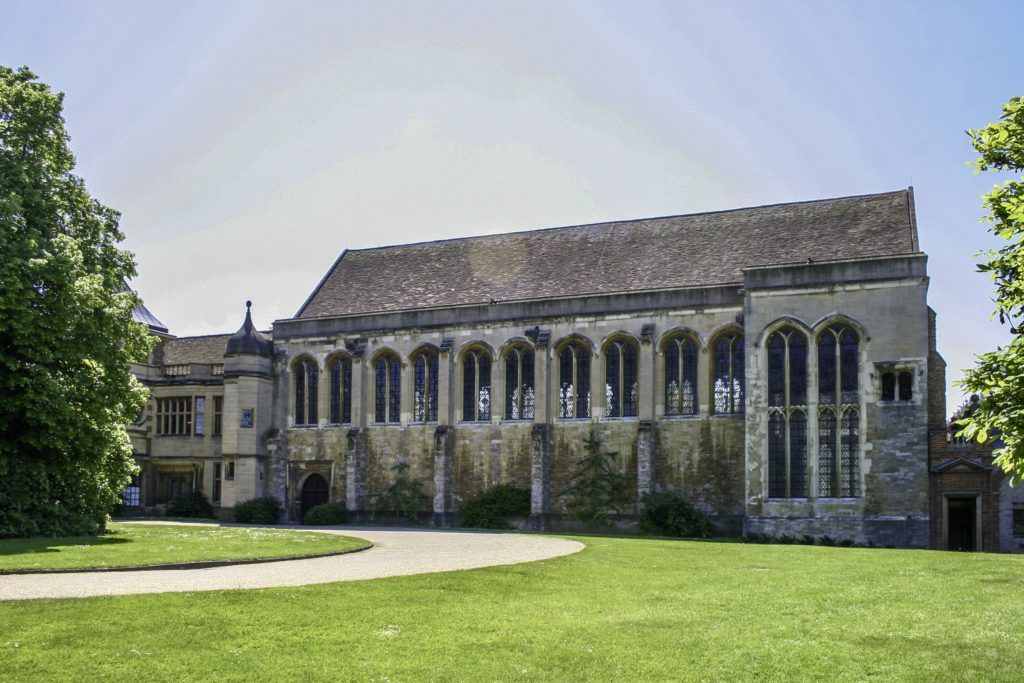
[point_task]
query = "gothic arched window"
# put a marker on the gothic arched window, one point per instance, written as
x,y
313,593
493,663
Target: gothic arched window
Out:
x,y
424,403
838,417
621,386
787,414
388,388
476,385
574,380
304,373
680,376
340,372
727,388
519,389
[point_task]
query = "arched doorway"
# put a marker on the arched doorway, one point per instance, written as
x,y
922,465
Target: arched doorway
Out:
x,y
314,492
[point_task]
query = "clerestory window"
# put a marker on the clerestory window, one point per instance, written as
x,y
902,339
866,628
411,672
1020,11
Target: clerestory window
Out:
x,y
340,372
621,386
681,376
519,389
425,369
573,381
476,386
727,386
387,388
787,414
305,374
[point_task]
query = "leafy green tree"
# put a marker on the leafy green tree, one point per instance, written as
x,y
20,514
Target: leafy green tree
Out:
x,y
66,329
998,376
403,498
597,489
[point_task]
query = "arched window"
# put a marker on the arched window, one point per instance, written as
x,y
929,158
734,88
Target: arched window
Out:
x,y
681,376
340,372
424,405
621,388
787,414
388,386
838,417
476,386
519,390
305,375
727,383
574,381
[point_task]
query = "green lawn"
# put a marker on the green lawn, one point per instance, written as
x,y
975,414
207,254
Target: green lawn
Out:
x,y
622,610
136,545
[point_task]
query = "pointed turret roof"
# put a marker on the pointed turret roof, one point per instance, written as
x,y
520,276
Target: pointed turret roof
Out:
x,y
248,340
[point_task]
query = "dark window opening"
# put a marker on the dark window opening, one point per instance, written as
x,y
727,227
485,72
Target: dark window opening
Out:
x,y
905,382
519,390
787,414
305,392
174,416
680,376
838,441
476,386
728,383
574,381
621,388
425,382
340,372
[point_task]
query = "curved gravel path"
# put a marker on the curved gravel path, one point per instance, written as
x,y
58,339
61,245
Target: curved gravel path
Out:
x,y
395,552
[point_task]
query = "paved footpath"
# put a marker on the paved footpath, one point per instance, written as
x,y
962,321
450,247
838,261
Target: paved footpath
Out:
x,y
395,552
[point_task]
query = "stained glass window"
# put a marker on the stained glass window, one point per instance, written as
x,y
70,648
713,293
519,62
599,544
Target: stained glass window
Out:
x,y
476,386
387,389
727,383
574,381
340,371
519,388
787,414
425,382
680,376
838,423
621,388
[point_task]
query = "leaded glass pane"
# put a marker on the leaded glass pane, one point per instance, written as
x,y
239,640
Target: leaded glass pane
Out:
x,y
394,390
381,392
566,390
526,386
688,396
421,387
797,369
672,375
630,389
582,382
776,455
311,397
613,395
300,394
849,481
798,454
483,362
738,378
827,368
849,355
346,393
432,388
777,370
827,454
512,386
334,404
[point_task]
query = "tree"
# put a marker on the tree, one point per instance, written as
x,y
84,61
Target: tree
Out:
x,y
597,488
998,376
66,331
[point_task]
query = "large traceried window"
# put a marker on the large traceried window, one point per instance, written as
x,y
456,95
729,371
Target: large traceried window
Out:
x,y
387,388
476,386
424,403
680,376
306,374
787,414
574,381
340,372
621,387
838,417
519,388
727,388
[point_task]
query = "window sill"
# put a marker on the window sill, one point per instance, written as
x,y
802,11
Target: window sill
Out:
x,y
690,416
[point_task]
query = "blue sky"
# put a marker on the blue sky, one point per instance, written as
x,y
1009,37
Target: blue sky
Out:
x,y
248,143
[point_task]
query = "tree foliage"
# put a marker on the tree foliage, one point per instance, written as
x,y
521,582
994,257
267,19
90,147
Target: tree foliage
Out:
x,y
597,490
66,329
998,376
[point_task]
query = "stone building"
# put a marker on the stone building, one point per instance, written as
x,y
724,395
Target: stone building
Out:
x,y
775,364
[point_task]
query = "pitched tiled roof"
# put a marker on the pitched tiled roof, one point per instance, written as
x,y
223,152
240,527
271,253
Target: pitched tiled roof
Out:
x,y
654,253
206,349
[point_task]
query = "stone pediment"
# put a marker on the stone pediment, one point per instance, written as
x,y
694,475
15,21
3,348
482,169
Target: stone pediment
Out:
x,y
961,466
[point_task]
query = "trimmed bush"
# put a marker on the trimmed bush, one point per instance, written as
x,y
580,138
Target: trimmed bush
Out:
x,y
190,505
258,511
492,508
326,514
669,514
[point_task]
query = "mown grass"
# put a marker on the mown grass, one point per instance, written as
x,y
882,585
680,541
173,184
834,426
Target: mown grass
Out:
x,y
136,545
622,610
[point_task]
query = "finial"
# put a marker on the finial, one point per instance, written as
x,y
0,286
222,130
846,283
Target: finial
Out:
x,y
248,305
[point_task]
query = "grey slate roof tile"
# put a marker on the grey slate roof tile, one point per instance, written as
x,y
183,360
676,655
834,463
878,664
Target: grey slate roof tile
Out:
x,y
627,256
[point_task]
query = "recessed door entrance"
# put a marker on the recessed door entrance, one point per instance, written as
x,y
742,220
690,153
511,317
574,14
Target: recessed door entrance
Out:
x,y
961,523
314,492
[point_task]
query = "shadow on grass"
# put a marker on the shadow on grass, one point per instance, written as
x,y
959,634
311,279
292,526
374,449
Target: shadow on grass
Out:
x,y
25,546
